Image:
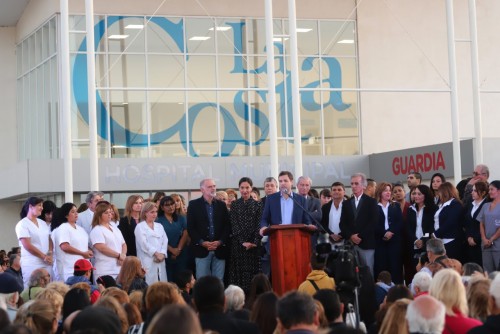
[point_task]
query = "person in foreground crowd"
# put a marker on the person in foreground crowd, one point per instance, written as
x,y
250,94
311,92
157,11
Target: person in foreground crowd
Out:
x,y
297,313
108,243
131,276
421,283
36,284
333,308
34,239
175,319
151,244
492,323
209,227
81,274
9,295
317,279
208,296
14,269
263,312
448,288
426,315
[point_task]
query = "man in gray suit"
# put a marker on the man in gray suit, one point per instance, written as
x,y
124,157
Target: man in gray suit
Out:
x,y
313,204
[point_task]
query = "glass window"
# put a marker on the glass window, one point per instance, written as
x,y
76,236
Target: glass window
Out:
x,y
165,35
126,34
200,35
201,64
168,123
165,71
231,36
230,74
127,70
45,41
338,38
38,46
203,124
307,36
52,36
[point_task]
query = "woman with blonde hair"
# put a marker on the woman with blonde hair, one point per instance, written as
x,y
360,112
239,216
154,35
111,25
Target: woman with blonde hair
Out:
x,y
447,287
131,276
180,204
151,242
128,223
478,297
394,320
107,241
40,317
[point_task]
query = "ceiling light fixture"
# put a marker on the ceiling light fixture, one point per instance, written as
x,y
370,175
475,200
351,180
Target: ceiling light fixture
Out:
x,y
135,26
304,29
199,38
220,28
346,41
118,37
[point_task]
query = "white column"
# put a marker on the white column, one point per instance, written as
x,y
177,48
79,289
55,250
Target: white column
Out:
x,y
294,63
271,90
476,98
452,63
65,110
93,154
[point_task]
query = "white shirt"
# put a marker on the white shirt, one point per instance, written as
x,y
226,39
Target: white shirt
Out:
x,y
419,232
113,239
334,218
436,219
39,237
385,209
356,200
475,207
85,220
77,238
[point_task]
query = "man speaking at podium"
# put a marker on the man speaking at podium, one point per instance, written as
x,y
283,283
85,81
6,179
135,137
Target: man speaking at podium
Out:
x,y
284,207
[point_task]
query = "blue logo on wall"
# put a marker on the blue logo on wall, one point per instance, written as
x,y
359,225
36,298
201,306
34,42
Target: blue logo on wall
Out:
x,y
232,136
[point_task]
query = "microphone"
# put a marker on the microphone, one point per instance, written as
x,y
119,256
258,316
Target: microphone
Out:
x,y
285,191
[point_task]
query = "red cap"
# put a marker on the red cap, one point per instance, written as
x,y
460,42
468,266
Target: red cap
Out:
x,y
83,265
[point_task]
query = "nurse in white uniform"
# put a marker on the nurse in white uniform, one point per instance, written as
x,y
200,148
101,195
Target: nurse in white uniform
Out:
x,y
70,240
34,239
107,242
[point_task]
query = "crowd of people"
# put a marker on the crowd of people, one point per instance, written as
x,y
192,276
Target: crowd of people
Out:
x,y
429,260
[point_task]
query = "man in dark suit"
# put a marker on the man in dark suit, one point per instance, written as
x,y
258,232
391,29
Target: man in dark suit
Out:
x,y
358,220
304,184
209,300
284,207
331,212
270,187
209,227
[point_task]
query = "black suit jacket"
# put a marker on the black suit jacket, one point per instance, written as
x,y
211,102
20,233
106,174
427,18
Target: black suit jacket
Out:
x,y
427,222
471,223
197,225
361,221
325,217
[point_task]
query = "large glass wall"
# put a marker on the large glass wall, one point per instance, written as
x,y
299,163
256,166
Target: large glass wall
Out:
x,y
192,86
37,94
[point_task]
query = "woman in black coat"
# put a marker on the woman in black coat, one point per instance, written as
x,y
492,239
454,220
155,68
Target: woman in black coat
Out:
x,y
388,256
420,219
471,224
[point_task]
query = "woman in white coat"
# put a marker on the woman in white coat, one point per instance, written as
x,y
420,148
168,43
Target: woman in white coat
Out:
x,y
34,239
151,242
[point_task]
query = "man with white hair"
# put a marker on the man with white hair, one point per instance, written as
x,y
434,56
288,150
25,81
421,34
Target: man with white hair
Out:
x,y
492,323
421,283
425,315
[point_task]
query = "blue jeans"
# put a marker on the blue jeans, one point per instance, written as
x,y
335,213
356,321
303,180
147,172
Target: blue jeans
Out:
x,y
210,265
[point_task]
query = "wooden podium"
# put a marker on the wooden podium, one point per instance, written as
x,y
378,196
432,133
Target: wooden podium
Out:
x,y
290,255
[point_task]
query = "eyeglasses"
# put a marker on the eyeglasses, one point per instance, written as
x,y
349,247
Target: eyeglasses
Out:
x,y
477,174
